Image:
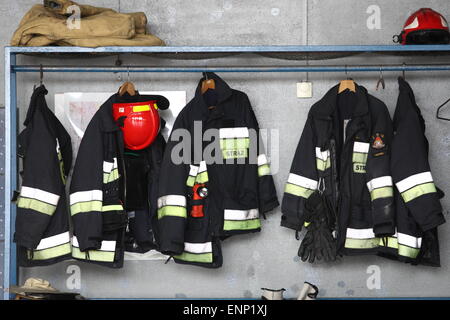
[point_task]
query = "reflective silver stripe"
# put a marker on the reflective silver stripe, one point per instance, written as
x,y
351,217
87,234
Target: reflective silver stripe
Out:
x,y
198,247
193,171
322,155
262,160
361,147
38,194
230,214
385,181
360,233
54,241
227,133
172,200
109,166
302,181
107,245
409,241
85,196
414,180
202,167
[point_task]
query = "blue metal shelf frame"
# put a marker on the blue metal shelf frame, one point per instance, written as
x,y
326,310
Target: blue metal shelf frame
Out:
x,y
10,267
238,49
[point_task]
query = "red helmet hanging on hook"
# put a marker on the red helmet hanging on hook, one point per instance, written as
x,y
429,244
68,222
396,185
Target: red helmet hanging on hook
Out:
x,y
425,26
139,121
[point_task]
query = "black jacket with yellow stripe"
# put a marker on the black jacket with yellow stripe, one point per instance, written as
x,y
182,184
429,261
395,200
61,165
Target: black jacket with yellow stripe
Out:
x,y
214,143
418,209
102,219
345,150
42,221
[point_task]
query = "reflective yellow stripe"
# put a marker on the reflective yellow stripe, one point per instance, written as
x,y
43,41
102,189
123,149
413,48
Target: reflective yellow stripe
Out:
x,y
195,257
110,177
403,250
86,207
306,224
190,181
390,242
172,211
202,177
384,192
234,153
238,143
359,157
50,252
418,191
408,251
323,165
141,108
298,191
241,225
36,205
263,170
362,243
95,255
114,207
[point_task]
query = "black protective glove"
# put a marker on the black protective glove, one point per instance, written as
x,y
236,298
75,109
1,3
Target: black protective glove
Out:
x,y
318,242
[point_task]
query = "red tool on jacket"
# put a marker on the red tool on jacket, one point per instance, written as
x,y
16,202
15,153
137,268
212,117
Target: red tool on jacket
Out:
x,y
139,121
200,192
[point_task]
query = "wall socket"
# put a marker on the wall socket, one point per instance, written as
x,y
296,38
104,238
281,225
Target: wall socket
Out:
x,y
304,89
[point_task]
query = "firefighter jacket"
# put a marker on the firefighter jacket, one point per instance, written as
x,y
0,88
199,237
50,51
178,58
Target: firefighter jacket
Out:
x,y
42,221
344,151
418,209
239,185
98,190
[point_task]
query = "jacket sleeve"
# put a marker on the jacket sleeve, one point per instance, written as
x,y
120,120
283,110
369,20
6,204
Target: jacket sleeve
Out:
x,y
302,180
86,190
412,176
378,174
172,200
267,193
42,183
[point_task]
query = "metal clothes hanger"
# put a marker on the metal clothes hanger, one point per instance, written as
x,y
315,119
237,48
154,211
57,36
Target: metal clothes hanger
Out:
x,y
41,77
439,109
347,84
128,86
381,80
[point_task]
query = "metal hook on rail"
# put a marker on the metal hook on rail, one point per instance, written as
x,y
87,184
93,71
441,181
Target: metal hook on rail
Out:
x,y
41,75
381,80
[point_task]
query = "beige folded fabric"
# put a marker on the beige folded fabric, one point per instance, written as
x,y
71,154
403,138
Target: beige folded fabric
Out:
x,y
42,26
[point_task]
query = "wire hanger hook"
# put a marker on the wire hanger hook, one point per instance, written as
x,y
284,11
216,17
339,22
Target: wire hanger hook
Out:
x,y
41,74
381,79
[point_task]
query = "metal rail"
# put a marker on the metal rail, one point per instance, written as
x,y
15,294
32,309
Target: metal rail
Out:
x,y
308,68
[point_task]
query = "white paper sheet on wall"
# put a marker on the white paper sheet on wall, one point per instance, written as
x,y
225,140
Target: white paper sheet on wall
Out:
x,y
76,109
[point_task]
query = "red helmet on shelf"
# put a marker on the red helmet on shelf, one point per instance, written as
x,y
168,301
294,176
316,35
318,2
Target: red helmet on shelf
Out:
x,y
139,121
425,26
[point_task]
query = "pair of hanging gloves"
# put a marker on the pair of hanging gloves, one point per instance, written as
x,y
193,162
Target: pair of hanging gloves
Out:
x,y
318,243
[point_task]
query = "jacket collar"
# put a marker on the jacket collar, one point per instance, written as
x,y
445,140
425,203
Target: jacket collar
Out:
x,y
223,92
38,93
328,104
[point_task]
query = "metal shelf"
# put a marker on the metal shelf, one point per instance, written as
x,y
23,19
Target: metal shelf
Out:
x,y
312,52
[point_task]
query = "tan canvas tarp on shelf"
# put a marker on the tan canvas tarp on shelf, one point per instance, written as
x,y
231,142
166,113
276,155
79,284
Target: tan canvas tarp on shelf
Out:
x,y
44,26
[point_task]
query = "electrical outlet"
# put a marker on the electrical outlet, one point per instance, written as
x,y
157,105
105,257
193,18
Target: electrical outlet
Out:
x,y
304,89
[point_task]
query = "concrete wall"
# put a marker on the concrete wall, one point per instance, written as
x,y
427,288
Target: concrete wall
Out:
x,y
268,259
